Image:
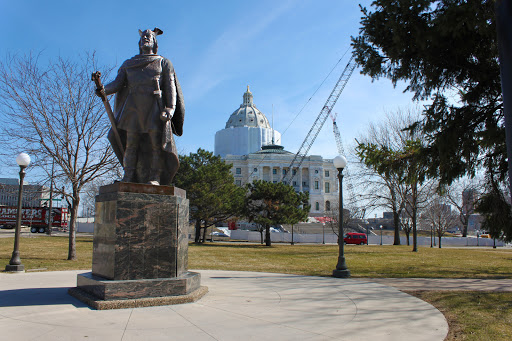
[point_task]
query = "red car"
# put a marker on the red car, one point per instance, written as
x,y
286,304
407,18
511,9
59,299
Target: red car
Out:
x,y
355,238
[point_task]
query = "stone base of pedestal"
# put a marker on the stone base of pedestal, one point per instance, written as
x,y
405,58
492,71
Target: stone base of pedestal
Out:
x,y
140,249
100,293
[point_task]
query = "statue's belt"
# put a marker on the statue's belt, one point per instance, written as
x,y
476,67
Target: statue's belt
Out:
x,y
147,89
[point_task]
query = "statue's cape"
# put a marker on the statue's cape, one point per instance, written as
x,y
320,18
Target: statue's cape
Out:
x,y
175,125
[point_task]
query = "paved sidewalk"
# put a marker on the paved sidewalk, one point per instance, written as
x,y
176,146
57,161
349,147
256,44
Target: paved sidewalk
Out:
x,y
239,306
409,284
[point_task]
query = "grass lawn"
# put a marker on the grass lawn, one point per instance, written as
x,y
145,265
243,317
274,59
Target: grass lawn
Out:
x,y
363,261
47,253
472,315
50,253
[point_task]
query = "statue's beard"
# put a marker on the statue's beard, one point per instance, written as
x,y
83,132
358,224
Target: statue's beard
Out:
x,y
147,47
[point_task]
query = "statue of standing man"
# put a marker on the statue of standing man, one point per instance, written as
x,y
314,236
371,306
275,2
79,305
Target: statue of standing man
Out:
x,y
149,109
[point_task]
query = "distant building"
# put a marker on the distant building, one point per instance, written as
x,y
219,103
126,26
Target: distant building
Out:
x,y
387,215
468,201
33,195
252,147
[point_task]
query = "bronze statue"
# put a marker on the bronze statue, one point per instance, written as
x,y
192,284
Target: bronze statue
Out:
x,y
149,108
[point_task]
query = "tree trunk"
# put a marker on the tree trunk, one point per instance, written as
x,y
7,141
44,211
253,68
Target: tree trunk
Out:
x,y
414,215
197,238
72,227
261,236
407,233
268,242
439,241
414,234
396,223
465,229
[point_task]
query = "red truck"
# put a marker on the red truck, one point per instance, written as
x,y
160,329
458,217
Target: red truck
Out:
x,y
34,217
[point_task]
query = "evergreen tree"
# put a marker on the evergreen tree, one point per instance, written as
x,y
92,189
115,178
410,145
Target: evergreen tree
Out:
x,y
270,204
210,188
497,213
446,51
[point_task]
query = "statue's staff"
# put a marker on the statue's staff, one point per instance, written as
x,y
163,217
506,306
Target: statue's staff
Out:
x,y
96,79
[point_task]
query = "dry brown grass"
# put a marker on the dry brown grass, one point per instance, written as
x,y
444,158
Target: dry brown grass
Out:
x,y
363,261
48,253
475,316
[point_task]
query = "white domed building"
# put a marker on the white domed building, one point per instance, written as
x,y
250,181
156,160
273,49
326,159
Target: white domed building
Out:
x,y
247,129
249,143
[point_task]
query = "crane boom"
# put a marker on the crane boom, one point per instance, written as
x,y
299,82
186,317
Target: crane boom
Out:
x,y
341,151
320,120
337,136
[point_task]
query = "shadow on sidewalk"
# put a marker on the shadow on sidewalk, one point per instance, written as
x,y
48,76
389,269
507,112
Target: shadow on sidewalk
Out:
x,y
38,297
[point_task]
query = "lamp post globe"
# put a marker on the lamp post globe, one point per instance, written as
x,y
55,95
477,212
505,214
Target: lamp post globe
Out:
x,y
23,160
341,271
340,162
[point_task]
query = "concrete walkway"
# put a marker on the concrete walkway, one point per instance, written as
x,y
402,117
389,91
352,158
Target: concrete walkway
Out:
x,y
239,306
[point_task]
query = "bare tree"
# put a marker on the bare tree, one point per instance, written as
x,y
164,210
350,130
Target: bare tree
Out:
x,y
463,195
91,189
49,108
387,188
353,216
438,214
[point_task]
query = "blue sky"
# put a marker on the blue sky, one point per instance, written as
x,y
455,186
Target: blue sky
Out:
x,y
282,49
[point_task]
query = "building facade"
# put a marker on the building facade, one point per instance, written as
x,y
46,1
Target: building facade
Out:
x,y
33,195
257,157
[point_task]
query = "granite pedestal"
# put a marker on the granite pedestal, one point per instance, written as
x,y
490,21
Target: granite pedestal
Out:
x,y
140,248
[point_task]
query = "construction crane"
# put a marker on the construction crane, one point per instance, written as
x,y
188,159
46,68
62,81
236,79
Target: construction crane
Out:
x,y
319,122
341,151
337,136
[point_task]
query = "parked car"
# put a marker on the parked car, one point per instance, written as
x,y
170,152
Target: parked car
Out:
x,y
355,238
219,234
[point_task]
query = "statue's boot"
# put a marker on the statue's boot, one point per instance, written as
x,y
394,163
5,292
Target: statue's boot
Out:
x,y
154,175
130,161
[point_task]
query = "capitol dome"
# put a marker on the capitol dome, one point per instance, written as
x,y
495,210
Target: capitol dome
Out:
x,y
248,115
246,130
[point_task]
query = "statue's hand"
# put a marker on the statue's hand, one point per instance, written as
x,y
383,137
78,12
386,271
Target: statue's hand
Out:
x,y
101,93
167,114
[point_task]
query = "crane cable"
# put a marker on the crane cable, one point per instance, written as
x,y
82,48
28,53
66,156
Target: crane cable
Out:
x,y
314,93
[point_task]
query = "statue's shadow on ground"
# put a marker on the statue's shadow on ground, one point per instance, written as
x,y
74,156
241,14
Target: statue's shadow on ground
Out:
x,y
38,297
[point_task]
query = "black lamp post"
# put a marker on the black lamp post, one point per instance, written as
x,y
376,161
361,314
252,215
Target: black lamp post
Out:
x,y
15,265
341,270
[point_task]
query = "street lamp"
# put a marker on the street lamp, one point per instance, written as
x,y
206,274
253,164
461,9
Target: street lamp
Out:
x,y
380,234
15,265
341,270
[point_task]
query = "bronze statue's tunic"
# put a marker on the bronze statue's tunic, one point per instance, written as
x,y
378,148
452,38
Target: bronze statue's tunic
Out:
x,y
137,111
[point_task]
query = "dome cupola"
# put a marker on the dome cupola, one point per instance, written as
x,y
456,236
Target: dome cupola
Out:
x,y
248,115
